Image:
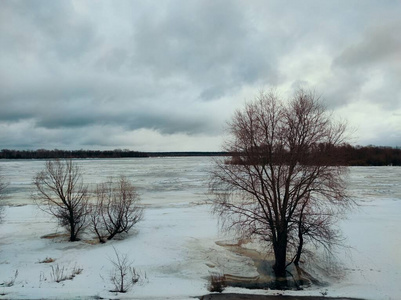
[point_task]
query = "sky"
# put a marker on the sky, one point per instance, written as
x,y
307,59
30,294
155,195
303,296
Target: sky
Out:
x,y
168,75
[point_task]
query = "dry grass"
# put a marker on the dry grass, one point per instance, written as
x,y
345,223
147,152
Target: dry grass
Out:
x,y
47,260
61,273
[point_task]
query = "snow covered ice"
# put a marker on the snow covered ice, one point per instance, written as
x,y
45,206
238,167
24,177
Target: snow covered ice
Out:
x,y
175,244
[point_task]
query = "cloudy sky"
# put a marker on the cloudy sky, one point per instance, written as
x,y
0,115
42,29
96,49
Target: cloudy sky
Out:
x,y
167,75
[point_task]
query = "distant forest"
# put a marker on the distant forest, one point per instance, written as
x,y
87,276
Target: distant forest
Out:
x,y
353,156
117,153
371,155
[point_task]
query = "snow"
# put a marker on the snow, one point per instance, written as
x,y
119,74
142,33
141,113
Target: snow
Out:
x,y
374,264
175,244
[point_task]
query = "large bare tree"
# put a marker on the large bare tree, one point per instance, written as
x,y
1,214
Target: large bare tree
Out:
x,y
284,177
60,191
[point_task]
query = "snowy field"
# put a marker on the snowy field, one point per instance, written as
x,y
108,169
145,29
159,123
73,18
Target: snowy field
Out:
x,y
174,246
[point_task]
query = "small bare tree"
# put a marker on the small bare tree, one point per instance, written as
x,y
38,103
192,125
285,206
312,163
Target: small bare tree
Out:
x,y
284,166
60,191
124,275
116,210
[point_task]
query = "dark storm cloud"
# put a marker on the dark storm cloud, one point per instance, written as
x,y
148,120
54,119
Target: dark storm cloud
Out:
x,y
199,45
80,73
47,29
200,50
205,42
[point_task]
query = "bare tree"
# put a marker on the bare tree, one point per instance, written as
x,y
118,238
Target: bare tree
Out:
x,y
284,165
62,193
116,210
124,275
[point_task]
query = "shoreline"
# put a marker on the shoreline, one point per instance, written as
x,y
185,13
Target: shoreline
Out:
x,y
232,296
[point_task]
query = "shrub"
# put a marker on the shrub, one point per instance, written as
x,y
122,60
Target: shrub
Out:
x,y
124,275
60,191
60,273
217,282
116,210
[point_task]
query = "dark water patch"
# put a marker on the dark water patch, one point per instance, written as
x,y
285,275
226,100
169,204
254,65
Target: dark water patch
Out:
x,y
296,279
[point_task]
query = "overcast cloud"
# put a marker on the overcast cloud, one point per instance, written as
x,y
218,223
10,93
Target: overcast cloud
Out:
x,y
167,75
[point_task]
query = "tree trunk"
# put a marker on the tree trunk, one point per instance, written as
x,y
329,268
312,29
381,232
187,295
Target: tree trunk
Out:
x,y
73,233
300,245
112,235
280,255
99,236
73,236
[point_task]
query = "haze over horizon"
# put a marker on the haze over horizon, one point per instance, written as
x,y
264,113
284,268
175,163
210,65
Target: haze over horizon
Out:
x,y
168,75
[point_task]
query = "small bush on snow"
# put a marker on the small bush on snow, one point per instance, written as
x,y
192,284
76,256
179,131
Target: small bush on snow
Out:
x,y
61,273
123,275
217,282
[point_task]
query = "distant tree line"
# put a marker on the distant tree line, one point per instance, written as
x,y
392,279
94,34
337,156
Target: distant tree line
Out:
x,y
117,153
347,154
56,153
343,155
372,155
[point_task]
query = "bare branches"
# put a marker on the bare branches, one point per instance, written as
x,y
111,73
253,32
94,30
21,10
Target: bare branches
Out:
x,y
124,275
284,165
116,210
62,193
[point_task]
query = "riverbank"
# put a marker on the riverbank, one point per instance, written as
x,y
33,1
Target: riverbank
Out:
x,y
233,296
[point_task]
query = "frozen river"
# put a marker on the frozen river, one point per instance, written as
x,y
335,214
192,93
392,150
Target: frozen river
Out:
x,y
160,181
168,181
175,244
